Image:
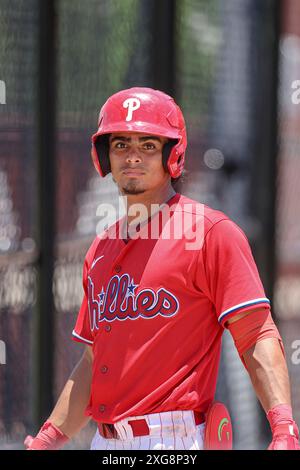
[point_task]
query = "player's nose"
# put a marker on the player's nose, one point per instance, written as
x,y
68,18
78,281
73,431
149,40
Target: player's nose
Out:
x,y
133,156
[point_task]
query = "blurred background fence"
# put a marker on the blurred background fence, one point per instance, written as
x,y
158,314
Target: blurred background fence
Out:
x,y
232,67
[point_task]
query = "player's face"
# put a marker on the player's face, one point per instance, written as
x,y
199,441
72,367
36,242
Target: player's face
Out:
x,y
136,162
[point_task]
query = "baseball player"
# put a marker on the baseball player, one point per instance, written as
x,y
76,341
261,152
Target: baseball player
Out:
x,y
159,289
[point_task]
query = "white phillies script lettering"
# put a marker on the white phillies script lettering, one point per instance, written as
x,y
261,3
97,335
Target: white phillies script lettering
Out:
x,y
132,104
120,302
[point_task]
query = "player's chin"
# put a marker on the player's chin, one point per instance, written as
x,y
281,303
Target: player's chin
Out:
x,y
131,189
132,185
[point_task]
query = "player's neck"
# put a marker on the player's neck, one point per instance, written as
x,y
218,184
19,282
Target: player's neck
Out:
x,y
150,201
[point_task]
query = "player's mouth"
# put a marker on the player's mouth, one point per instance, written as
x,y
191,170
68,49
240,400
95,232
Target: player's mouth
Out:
x,y
133,173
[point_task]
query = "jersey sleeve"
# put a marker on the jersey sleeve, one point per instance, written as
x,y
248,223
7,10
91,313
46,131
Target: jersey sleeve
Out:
x,y
232,278
82,331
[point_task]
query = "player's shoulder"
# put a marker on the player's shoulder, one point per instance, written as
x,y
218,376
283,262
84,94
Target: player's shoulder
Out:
x,y
99,241
211,217
216,223
92,250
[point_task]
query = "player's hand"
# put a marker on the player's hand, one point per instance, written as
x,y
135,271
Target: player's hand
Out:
x,y
284,429
285,437
48,438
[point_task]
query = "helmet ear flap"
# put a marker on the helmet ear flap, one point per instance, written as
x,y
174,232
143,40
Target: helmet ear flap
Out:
x,y
173,158
102,151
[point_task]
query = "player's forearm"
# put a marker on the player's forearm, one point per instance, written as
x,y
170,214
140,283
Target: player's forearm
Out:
x,y
68,414
268,372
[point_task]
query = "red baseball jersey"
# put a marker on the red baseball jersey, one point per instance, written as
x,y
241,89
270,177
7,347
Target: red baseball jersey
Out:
x,y
155,307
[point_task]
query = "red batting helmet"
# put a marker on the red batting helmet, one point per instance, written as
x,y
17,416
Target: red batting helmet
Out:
x,y
141,110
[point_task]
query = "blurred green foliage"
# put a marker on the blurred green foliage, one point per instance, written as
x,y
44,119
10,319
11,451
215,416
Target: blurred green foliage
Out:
x,y
98,41
18,57
95,45
198,40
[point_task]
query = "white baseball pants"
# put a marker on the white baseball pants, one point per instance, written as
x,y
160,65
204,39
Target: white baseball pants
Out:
x,y
171,430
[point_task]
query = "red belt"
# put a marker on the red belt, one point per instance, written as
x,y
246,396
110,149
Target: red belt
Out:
x,y
139,427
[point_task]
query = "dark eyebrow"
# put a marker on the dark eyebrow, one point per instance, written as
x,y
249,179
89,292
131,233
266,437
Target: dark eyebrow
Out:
x,y
123,139
150,137
128,139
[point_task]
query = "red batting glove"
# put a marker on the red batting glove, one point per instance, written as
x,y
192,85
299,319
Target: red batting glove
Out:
x,y
284,429
48,438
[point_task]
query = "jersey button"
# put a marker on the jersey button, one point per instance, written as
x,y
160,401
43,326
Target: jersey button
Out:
x,y
102,408
107,327
118,268
104,369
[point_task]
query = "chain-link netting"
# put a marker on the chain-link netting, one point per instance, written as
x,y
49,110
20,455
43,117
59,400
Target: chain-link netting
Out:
x,y
103,46
287,286
18,72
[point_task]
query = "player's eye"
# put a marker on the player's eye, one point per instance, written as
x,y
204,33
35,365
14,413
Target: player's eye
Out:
x,y
120,145
149,146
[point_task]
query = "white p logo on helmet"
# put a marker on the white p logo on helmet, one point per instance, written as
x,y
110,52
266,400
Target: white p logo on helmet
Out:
x,y
132,104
